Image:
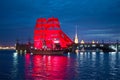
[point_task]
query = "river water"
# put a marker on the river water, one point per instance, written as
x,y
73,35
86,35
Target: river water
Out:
x,y
81,66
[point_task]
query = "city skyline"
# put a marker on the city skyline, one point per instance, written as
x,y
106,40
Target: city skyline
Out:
x,y
96,19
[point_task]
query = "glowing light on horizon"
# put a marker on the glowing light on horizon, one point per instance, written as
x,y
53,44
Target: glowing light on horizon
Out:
x,y
7,48
93,42
56,41
15,55
82,42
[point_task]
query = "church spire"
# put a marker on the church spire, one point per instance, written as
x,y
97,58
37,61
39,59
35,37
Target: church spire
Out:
x,y
76,37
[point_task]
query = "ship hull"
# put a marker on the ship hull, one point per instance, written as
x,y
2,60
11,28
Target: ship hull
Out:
x,y
47,52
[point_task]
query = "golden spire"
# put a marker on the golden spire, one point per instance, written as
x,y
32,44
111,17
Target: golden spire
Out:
x,y
93,42
76,37
82,42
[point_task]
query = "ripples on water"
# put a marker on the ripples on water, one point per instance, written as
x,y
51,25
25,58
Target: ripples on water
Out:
x,y
81,66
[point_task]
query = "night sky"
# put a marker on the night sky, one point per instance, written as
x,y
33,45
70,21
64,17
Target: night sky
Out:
x,y
96,19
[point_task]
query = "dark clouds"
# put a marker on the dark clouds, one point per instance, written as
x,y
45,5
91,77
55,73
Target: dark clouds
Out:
x,y
95,18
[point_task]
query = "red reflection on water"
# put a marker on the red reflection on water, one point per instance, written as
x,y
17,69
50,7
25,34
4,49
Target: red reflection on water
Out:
x,y
46,67
27,65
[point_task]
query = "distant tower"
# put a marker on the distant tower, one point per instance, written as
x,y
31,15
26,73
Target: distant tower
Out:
x,y
76,37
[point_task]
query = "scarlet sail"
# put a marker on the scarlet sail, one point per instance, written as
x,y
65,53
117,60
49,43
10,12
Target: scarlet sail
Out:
x,y
48,35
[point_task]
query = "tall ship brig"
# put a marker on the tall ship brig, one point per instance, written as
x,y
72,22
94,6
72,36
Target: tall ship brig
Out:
x,y
48,38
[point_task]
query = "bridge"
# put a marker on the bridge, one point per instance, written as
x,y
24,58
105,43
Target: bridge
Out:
x,y
100,47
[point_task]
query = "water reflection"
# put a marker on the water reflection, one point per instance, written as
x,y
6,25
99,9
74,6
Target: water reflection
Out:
x,y
45,67
83,65
15,66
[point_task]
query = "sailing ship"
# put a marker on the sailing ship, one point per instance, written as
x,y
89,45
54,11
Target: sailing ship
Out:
x,y
48,38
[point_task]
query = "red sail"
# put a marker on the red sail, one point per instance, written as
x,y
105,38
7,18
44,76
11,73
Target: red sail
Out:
x,y
48,35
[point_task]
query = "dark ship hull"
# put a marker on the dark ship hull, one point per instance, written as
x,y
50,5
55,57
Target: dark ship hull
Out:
x,y
47,52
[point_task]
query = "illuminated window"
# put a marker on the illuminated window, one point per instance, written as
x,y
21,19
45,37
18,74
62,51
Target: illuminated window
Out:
x,y
85,45
101,45
93,45
88,45
81,45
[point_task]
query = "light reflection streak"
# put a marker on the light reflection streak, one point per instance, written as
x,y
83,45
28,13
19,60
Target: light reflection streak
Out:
x,y
112,53
15,55
68,54
15,63
93,56
112,58
81,53
77,55
46,67
27,66
101,53
94,53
